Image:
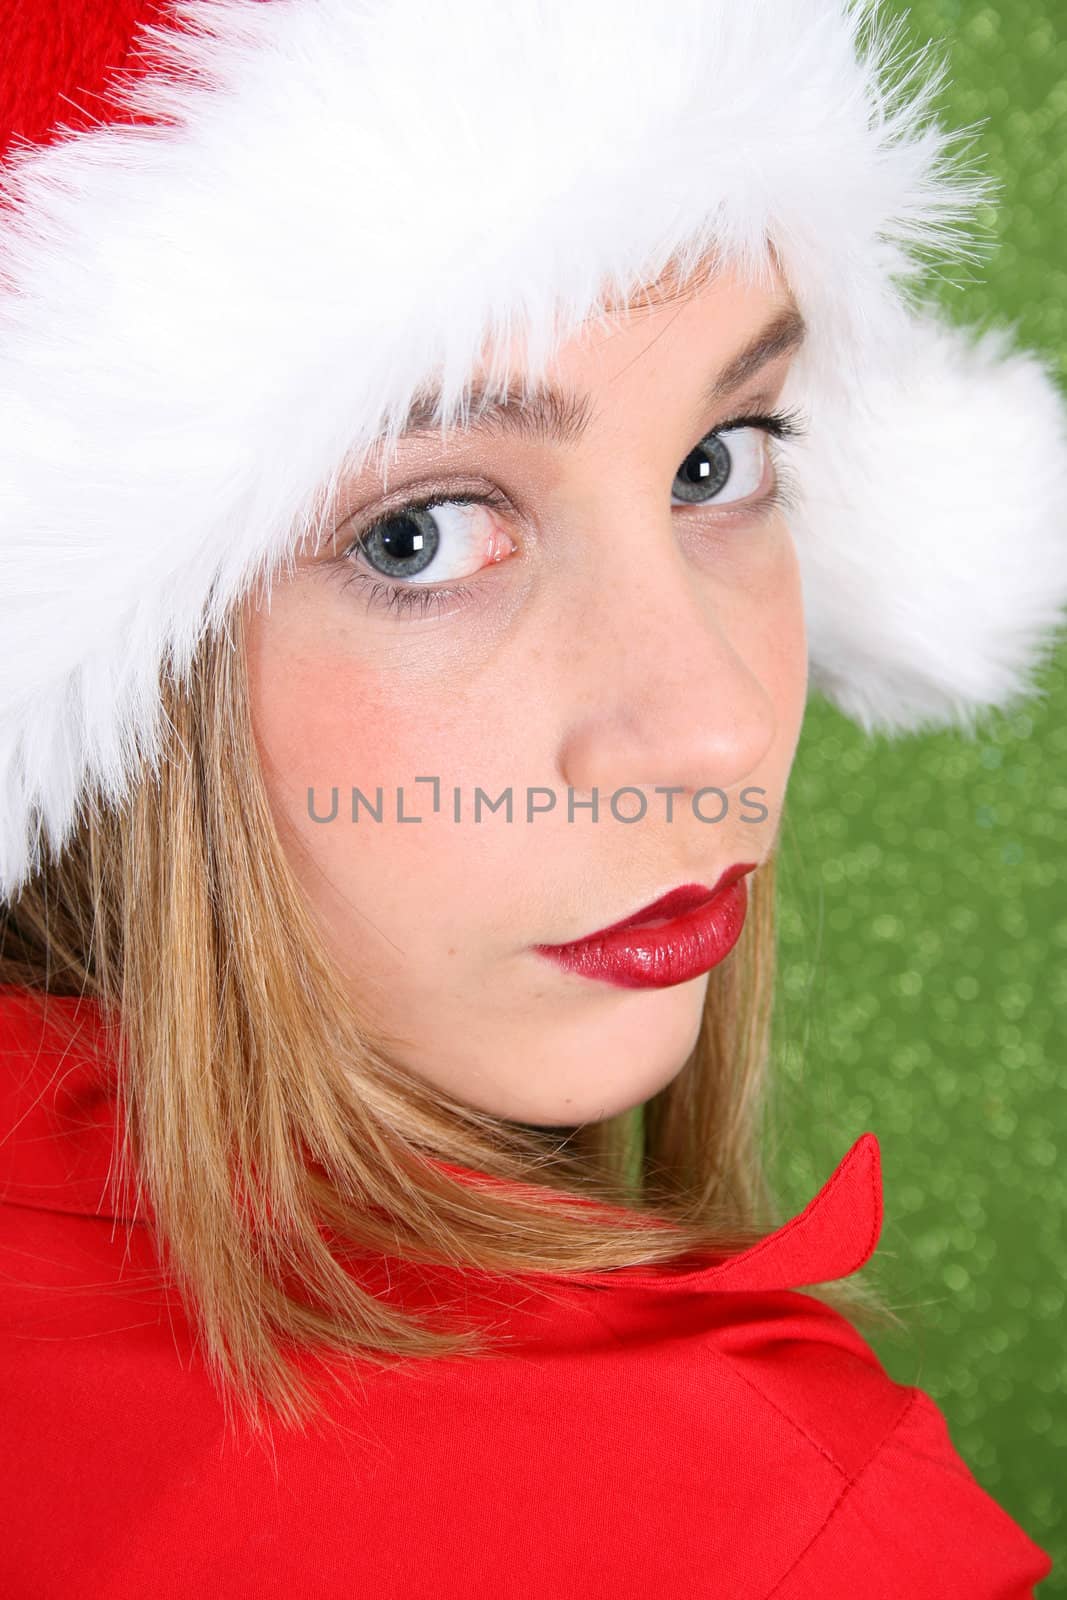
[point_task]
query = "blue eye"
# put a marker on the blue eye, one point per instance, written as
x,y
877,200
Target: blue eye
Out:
x,y
436,539
734,459
403,545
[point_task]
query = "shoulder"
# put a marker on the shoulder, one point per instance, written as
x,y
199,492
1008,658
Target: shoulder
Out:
x,y
914,1520
667,1433
909,1516
808,1363
854,1484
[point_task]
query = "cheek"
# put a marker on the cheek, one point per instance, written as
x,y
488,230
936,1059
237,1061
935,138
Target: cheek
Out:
x,y
787,652
325,718
322,721
324,715
769,633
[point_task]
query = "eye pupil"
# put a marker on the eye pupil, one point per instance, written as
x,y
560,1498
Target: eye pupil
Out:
x,y
705,470
402,544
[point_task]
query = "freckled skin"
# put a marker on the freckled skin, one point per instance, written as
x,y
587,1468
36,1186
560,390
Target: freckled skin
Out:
x,y
628,640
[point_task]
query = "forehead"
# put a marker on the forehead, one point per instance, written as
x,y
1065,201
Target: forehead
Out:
x,y
550,412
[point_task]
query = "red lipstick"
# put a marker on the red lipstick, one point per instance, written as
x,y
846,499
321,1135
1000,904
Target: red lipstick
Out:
x,y
679,936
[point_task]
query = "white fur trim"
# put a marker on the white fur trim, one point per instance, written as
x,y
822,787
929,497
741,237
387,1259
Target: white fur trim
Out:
x,y
203,322
933,539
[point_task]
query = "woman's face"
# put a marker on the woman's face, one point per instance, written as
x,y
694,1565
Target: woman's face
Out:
x,y
625,613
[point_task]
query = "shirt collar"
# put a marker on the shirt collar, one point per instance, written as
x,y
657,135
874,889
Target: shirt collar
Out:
x,y
58,1127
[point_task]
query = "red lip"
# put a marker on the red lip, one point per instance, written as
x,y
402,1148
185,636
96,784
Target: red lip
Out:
x,y
702,928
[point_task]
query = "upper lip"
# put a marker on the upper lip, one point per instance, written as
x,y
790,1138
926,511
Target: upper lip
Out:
x,y
676,902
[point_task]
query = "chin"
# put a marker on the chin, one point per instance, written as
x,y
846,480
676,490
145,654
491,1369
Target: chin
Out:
x,y
611,1096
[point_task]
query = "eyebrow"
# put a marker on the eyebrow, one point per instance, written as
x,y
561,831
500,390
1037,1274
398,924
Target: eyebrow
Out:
x,y
559,416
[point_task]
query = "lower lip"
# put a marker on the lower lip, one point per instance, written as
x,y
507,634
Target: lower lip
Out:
x,y
658,957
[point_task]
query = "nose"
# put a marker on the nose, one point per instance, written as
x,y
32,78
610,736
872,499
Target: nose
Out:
x,y
660,692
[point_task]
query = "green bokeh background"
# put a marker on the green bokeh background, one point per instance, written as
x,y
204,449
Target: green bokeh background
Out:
x,y
923,946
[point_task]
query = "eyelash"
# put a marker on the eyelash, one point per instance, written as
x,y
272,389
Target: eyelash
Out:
x,y
401,598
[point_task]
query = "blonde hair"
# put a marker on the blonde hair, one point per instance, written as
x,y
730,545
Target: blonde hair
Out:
x,y
273,1131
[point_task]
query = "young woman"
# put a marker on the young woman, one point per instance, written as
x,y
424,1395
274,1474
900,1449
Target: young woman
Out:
x,y
443,448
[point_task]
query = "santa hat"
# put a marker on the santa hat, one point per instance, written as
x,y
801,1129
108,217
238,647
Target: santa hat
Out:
x,y
237,236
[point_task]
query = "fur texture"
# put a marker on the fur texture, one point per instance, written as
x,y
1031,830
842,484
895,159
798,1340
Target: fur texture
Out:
x,y
210,309
932,534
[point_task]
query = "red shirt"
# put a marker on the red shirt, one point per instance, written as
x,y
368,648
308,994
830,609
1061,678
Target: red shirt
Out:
x,y
689,1430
